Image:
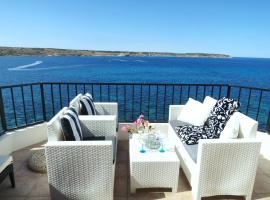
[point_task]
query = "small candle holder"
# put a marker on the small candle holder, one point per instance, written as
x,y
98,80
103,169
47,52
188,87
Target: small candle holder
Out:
x,y
142,149
162,150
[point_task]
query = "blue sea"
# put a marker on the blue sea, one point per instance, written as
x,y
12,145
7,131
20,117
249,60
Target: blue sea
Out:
x,y
236,71
253,72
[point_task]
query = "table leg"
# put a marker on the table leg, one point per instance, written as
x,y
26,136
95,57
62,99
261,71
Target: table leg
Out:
x,y
174,189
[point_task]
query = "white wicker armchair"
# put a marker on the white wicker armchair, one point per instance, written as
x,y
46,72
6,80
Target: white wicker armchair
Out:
x,y
102,108
81,169
223,166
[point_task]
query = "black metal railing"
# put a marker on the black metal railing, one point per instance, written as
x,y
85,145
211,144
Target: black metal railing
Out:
x,y
28,104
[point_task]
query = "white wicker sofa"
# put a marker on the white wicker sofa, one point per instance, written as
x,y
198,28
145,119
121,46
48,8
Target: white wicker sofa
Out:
x,y
102,108
219,166
81,169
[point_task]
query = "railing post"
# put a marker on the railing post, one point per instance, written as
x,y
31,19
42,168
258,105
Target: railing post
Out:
x,y
268,123
43,101
2,112
229,91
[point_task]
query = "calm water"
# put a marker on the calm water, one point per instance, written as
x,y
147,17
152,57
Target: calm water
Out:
x,y
234,71
239,71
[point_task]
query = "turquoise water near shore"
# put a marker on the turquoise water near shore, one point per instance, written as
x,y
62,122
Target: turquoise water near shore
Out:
x,y
240,71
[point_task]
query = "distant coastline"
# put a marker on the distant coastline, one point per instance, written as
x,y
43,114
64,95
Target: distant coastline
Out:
x,y
21,51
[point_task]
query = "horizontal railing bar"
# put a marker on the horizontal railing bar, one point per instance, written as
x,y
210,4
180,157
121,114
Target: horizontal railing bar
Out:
x,y
168,84
127,83
252,88
18,85
144,83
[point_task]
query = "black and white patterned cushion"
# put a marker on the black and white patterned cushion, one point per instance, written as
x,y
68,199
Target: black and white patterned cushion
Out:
x,y
71,126
220,115
214,124
87,106
190,134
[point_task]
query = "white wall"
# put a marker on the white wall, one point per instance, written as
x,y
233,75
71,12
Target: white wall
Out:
x,y
18,139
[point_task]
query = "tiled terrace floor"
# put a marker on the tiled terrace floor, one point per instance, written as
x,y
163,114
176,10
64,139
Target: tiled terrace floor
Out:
x,y
34,186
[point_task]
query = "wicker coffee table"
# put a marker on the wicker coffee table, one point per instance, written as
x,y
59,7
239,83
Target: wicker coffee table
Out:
x,y
152,169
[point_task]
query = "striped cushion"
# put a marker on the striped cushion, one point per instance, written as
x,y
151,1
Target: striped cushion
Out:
x,y
87,106
71,126
89,95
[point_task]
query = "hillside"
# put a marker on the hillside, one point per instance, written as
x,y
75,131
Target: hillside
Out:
x,y
20,51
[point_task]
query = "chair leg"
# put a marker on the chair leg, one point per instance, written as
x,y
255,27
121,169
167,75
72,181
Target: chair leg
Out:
x,y
11,176
196,196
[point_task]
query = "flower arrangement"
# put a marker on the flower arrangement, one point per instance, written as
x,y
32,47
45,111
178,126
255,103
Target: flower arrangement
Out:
x,y
140,124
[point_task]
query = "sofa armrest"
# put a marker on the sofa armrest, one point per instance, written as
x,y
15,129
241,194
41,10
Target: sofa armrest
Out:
x,y
227,163
174,111
99,125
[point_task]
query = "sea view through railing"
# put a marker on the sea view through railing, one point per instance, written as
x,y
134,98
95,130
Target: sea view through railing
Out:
x,y
28,104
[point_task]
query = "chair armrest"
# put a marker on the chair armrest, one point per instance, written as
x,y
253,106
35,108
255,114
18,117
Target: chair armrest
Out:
x,y
99,125
82,151
73,166
174,111
227,163
106,108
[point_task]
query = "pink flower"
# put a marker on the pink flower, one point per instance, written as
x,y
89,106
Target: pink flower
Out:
x,y
125,128
135,123
139,120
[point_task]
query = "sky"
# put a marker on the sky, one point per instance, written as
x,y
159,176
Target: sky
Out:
x,y
240,28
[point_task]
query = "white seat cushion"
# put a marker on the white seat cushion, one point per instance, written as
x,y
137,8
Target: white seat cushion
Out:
x,y
194,113
4,162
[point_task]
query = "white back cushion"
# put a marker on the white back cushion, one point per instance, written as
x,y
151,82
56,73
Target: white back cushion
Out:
x,y
193,113
231,129
247,127
209,103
